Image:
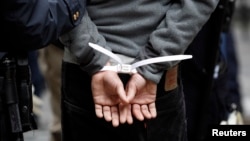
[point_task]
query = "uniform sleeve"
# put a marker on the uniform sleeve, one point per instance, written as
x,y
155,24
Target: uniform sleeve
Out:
x,y
36,23
182,22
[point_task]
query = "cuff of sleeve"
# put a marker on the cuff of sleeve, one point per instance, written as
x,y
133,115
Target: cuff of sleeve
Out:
x,y
96,64
154,76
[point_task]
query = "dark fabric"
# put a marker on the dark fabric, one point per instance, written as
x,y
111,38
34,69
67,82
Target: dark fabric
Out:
x,y
80,122
204,106
32,24
58,44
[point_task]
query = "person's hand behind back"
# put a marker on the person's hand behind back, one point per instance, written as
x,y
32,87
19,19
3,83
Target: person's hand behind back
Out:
x,y
142,96
108,93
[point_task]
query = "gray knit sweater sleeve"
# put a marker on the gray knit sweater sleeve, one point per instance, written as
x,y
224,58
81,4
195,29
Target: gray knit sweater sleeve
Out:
x,y
76,43
122,26
182,22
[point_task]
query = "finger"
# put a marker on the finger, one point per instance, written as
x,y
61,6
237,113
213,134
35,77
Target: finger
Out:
x,y
145,111
152,110
121,93
107,113
125,113
98,111
115,116
129,114
131,91
116,84
122,112
136,109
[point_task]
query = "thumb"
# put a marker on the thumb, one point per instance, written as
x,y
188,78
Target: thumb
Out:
x,y
122,94
131,91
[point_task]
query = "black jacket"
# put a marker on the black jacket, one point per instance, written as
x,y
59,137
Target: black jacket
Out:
x,y
33,24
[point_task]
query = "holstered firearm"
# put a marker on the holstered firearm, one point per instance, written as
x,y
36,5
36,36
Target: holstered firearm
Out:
x,y
16,114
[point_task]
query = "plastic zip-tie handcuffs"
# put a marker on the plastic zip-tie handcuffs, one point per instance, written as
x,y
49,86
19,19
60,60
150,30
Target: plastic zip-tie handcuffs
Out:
x,y
131,68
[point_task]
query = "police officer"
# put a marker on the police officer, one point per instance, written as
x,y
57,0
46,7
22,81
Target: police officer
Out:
x,y
27,25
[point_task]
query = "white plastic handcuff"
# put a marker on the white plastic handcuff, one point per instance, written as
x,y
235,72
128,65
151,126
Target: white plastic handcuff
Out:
x,y
131,68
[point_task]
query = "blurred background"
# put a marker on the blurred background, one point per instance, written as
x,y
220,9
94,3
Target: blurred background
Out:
x,y
241,32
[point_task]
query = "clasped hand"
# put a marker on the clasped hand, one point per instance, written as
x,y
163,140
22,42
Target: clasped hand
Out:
x,y
118,104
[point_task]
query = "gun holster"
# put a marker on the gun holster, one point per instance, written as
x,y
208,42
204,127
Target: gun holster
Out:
x,y
16,114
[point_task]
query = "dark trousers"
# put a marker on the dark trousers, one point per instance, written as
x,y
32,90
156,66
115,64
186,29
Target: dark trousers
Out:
x,y
80,122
